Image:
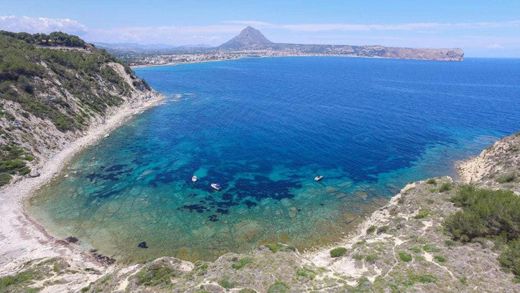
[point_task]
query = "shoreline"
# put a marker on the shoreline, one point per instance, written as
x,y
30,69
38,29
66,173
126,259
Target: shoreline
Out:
x,y
282,56
24,239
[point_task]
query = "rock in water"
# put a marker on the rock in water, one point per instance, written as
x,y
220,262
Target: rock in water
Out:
x,y
71,239
142,245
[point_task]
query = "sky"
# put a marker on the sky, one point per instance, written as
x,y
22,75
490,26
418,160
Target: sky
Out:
x,y
483,28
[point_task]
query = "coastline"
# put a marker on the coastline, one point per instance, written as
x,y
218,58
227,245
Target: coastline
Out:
x,y
281,56
34,245
23,239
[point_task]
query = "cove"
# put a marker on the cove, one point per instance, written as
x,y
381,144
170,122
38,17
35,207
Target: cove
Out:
x,y
264,128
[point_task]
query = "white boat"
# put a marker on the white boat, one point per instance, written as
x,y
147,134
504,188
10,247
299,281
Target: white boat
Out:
x,y
194,178
215,186
318,178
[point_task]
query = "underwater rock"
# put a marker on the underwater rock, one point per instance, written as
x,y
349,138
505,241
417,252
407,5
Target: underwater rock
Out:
x,y
293,212
103,259
142,245
72,239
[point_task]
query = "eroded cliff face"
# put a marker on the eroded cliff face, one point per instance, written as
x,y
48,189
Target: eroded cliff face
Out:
x,y
50,95
496,167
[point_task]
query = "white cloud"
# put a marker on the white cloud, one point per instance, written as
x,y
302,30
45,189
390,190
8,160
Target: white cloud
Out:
x,y
495,46
420,34
416,26
180,35
41,24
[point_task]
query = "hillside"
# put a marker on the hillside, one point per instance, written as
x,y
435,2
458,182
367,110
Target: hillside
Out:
x,y
53,88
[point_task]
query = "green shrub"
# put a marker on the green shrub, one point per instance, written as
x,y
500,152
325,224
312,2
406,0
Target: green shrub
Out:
x,y
5,178
423,278
155,275
423,213
510,257
370,258
431,181
278,287
226,283
506,178
242,263
445,187
449,243
485,213
275,247
371,229
406,257
18,280
338,251
306,273
439,258
430,248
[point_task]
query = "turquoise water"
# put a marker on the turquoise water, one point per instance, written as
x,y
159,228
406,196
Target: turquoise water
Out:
x,y
263,129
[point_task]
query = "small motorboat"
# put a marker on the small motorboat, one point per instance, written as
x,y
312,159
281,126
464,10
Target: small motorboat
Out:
x,y
194,178
216,186
318,178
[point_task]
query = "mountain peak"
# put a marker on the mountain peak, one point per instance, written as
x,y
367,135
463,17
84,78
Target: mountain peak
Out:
x,y
249,38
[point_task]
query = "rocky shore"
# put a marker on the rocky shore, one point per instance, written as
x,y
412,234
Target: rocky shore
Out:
x,y
24,240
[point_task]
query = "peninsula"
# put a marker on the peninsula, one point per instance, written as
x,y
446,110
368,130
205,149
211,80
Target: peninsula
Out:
x,y
252,43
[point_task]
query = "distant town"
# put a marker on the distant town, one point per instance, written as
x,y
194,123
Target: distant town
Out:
x,y
252,43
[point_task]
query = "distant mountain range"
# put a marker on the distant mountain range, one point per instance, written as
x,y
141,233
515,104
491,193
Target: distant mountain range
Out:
x,y
251,42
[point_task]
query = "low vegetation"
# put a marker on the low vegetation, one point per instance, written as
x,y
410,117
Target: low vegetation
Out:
x,y
423,213
155,275
278,287
226,283
22,279
13,161
54,77
306,273
445,187
406,257
338,252
491,214
507,178
24,66
275,247
431,181
242,263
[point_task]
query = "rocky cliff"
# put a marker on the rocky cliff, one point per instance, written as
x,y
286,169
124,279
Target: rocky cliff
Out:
x,y
52,88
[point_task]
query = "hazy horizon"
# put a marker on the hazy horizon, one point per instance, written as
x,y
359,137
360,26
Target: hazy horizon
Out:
x,y
480,28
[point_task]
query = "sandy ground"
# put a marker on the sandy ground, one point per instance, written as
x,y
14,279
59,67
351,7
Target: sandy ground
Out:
x,y
21,238
346,266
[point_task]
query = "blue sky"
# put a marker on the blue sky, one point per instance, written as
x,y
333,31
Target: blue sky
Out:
x,y
481,28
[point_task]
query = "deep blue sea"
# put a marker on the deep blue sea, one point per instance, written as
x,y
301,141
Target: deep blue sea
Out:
x,y
264,128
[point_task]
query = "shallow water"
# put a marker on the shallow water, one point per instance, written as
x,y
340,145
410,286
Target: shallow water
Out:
x,y
263,128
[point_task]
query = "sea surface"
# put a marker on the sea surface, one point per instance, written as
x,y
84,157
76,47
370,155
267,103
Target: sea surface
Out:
x,y
263,128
